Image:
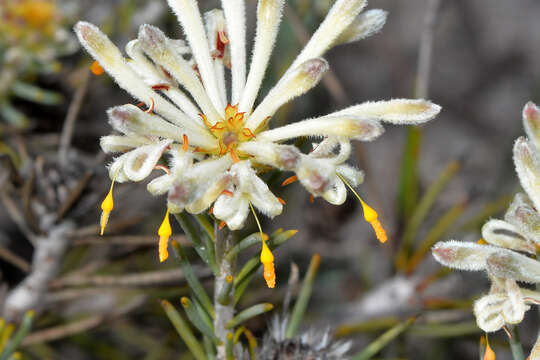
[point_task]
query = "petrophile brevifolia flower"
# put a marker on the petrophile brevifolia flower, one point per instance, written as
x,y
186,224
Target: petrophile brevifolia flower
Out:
x,y
507,246
212,139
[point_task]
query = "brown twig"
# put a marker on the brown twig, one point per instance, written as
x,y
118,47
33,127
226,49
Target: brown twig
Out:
x,y
71,118
137,240
425,53
150,278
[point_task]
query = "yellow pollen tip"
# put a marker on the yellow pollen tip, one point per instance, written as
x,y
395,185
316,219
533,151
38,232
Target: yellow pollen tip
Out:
x,y
164,233
379,231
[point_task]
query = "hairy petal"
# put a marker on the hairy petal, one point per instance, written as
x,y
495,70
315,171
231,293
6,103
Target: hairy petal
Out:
x,y
527,162
396,111
500,233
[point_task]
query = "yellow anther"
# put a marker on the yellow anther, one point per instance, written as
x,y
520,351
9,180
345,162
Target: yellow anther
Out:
x,y
267,258
164,233
370,215
106,207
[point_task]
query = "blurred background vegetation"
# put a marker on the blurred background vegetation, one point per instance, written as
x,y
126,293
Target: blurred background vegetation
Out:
x,y
437,183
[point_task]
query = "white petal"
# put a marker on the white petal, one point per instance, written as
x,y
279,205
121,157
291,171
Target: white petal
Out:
x,y
236,31
160,185
336,194
108,55
268,19
488,312
396,111
158,47
141,161
233,210
341,15
358,128
503,234
531,122
365,25
255,189
527,162
119,143
297,82
189,15
283,157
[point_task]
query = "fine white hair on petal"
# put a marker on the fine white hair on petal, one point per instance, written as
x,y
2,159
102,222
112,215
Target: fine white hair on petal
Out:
x,y
463,255
395,111
297,82
365,25
157,47
110,58
531,122
503,234
488,312
255,189
346,126
527,162
336,193
189,16
340,16
268,20
141,161
129,119
511,265
354,176
232,209
236,32
524,216
121,143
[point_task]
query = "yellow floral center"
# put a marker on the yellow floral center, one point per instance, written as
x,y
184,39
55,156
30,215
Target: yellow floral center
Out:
x,y
230,132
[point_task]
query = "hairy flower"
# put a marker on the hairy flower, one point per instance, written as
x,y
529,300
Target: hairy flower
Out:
x,y
506,240
215,141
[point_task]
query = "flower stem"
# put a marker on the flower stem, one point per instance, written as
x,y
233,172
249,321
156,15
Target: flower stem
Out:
x,y
223,313
515,345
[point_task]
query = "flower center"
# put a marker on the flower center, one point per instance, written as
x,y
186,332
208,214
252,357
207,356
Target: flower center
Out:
x,y
230,132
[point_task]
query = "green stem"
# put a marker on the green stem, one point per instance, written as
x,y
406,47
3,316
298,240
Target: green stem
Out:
x,y
224,308
515,345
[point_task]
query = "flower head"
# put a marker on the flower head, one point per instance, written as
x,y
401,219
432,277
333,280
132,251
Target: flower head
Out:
x,y
506,244
215,141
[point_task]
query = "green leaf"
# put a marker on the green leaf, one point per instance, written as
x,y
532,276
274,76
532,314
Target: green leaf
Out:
x,y
183,330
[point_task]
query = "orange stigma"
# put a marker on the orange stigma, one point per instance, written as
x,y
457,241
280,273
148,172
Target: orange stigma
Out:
x,y
229,132
96,69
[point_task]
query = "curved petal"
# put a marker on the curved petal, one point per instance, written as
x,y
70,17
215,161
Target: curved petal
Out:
x,y
141,161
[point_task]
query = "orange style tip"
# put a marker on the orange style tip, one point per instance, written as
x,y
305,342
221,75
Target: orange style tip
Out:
x,y
96,68
185,144
379,231
289,180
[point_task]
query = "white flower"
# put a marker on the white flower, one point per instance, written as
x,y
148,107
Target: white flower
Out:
x,y
215,150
